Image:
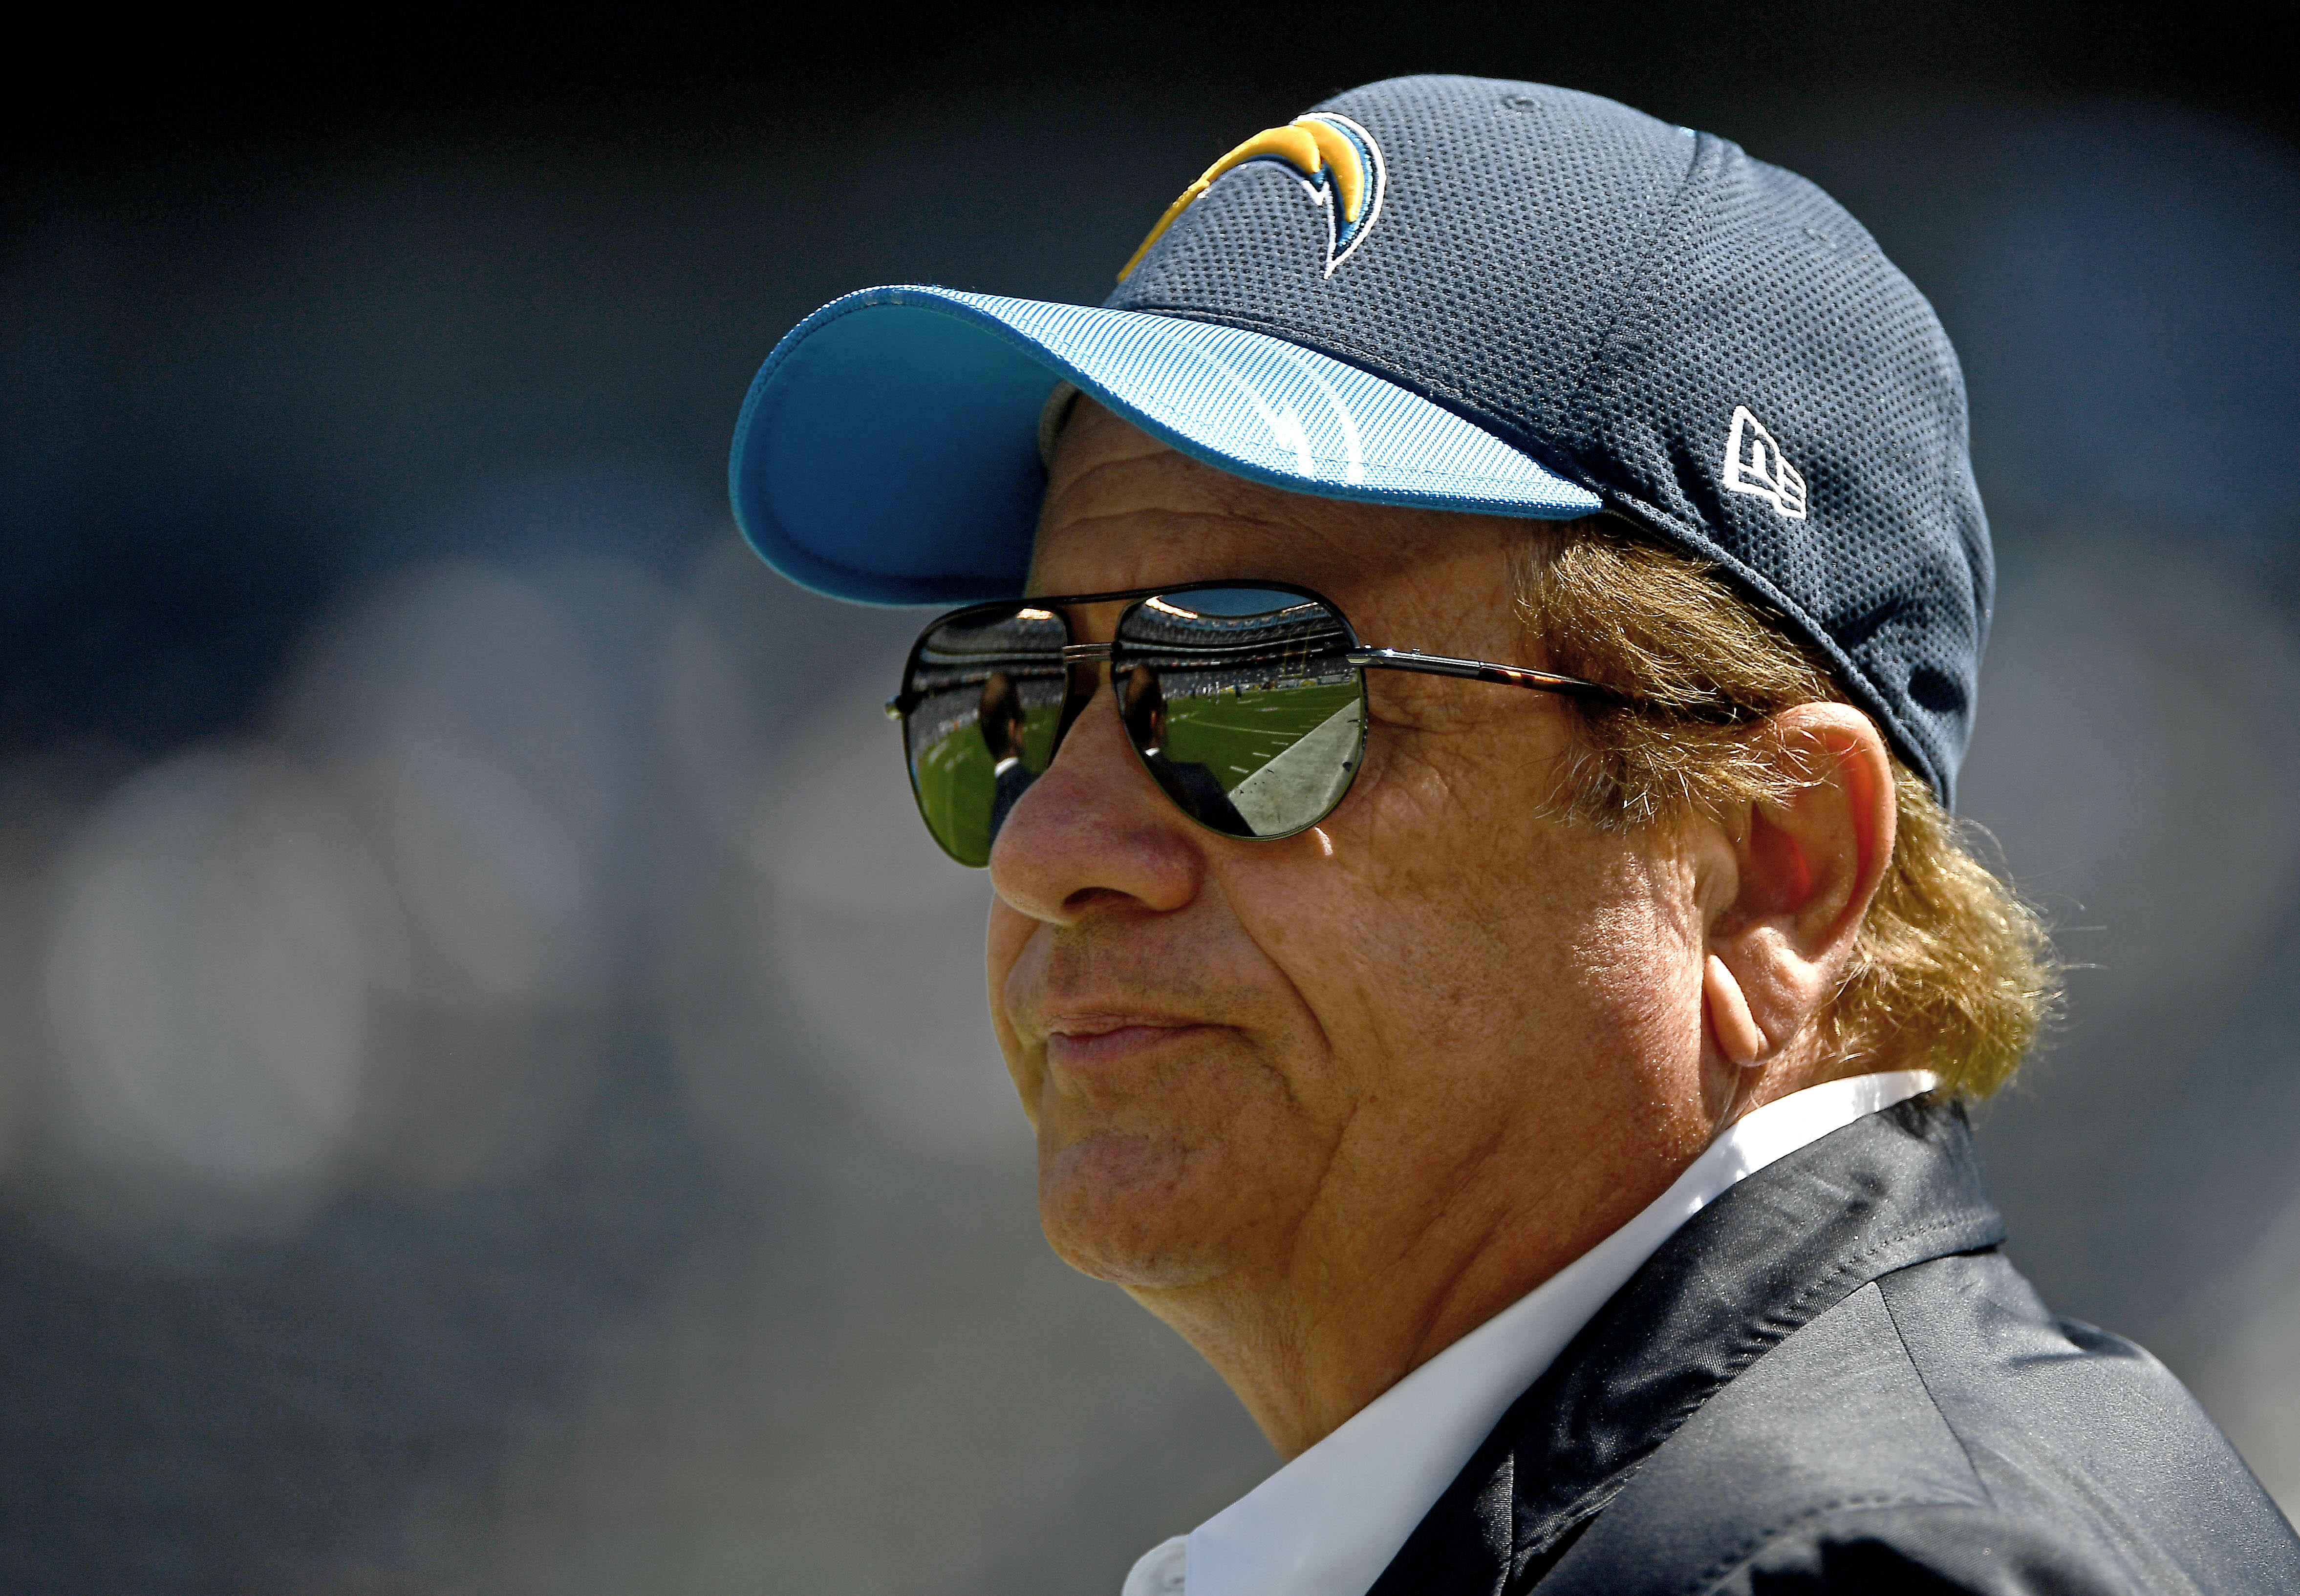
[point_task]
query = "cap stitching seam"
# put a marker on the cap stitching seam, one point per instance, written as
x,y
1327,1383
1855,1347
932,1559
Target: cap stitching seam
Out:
x,y
1600,351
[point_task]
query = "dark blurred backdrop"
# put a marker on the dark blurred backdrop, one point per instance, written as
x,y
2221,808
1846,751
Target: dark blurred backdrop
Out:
x,y
493,1095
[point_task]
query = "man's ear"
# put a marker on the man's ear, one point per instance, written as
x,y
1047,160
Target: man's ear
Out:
x,y
1805,869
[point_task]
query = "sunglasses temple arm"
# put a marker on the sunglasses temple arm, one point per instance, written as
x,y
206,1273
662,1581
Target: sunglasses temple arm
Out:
x,y
1480,671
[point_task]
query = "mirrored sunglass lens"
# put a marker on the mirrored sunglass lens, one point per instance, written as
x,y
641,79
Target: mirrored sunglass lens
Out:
x,y
1244,704
987,694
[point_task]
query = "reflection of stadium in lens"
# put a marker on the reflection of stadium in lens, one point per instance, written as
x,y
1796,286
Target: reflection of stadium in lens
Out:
x,y
1237,637
1242,702
1261,728
1010,664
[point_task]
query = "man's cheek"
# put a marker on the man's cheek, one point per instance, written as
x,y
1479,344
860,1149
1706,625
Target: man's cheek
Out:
x,y
1010,969
1014,963
1027,1070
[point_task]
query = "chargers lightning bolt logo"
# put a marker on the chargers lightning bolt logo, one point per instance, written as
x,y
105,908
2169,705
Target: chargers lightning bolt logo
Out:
x,y
1340,168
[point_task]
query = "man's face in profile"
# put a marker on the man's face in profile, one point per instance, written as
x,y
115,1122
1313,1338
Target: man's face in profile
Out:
x,y
1245,1058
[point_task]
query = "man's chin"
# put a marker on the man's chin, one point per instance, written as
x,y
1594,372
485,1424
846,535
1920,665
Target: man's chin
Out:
x,y
1132,1212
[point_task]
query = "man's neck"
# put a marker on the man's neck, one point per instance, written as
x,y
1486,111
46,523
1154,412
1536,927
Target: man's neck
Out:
x,y
1309,1340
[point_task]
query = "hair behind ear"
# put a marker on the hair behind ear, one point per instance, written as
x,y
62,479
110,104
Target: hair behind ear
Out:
x,y
1950,971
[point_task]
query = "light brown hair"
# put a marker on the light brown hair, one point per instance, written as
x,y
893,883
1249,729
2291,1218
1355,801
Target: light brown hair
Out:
x,y
1950,972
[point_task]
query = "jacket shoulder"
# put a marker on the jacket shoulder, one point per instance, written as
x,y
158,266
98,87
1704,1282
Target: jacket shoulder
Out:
x,y
1938,1431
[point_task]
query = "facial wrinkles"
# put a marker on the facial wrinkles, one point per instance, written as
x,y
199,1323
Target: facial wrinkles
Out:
x,y
1319,1049
1505,905
1417,1012
1364,983
1173,969
1130,479
1409,1007
1311,1040
1094,958
1166,962
1125,506
1282,1232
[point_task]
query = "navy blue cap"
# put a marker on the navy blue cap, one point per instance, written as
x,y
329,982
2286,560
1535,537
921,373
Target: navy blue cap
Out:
x,y
1450,292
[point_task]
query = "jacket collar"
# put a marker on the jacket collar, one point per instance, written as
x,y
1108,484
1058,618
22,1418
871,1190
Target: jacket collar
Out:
x,y
1782,1248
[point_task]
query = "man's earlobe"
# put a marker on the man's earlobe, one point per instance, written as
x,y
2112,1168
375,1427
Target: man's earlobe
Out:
x,y
1738,1036
1806,867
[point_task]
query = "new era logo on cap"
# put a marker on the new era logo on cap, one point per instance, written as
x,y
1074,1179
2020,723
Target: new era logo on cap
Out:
x,y
1755,464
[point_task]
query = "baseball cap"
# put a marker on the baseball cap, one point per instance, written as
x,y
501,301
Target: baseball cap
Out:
x,y
1456,293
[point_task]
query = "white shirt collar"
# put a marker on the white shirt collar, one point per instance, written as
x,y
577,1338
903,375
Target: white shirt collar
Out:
x,y
1330,1521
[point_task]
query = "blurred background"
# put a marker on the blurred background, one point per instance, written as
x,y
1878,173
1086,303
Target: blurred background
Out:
x,y
492,1093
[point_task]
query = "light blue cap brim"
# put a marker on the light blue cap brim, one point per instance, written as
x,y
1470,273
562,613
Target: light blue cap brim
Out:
x,y
889,451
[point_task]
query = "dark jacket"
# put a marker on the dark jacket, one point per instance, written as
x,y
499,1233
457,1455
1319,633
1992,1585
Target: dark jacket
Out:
x,y
1831,1380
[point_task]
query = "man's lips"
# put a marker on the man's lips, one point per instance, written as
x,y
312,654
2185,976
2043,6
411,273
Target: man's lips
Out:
x,y
1087,1041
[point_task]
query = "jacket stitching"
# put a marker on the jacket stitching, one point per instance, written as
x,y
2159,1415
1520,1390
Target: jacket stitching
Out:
x,y
1925,1381
1768,1337
1600,1496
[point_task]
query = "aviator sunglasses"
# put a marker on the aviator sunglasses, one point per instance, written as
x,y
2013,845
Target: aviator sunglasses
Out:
x,y
1245,702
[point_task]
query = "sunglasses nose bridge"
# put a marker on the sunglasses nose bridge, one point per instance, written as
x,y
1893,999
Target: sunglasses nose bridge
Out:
x,y
1085,667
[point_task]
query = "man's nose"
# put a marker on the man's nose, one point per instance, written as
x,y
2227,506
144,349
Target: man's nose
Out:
x,y
1096,831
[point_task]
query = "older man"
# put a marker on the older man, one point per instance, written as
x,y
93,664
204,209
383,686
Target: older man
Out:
x,y
1483,630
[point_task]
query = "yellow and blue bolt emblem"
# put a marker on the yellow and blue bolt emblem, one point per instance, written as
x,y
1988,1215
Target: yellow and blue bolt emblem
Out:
x,y
1340,168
